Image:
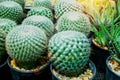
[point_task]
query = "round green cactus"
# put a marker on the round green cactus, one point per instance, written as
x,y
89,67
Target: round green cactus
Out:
x,y
21,2
43,3
42,22
11,10
2,44
75,21
70,52
65,6
7,24
41,11
25,44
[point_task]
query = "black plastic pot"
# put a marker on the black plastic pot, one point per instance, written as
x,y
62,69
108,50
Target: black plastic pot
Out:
x,y
42,74
91,66
5,70
110,74
99,56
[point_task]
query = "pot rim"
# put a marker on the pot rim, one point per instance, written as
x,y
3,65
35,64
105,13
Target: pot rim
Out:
x,y
93,41
30,71
91,66
108,66
4,63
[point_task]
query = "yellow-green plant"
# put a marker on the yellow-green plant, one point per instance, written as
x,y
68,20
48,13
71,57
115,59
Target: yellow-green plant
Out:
x,y
113,43
104,33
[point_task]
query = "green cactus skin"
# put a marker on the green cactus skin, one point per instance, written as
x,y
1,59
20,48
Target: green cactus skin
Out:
x,y
7,25
25,44
21,2
75,21
41,11
42,22
65,6
11,10
70,52
43,3
2,44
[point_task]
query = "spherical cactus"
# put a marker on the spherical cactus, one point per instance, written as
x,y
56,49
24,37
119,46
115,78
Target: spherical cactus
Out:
x,y
75,21
41,11
25,44
42,22
21,2
7,25
43,3
11,10
2,44
70,52
65,6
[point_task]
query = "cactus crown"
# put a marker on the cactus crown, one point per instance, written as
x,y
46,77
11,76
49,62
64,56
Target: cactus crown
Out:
x,y
11,10
75,21
65,6
69,52
43,3
41,11
7,24
42,22
25,44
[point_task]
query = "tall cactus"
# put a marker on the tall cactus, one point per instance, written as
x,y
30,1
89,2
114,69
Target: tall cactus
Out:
x,y
7,25
42,22
70,52
11,10
75,21
25,44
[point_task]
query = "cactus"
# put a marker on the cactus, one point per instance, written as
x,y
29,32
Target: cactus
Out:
x,y
7,25
25,44
42,22
75,21
43,3
21,2
70,52
2,44
41,11
11,10
65,6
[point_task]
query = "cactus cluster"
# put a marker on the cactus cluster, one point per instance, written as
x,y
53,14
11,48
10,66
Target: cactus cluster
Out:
x,y
65,6
6,24
25,44
2,44
43,3
42,22
41,11
21,2
75,21
11,10
70,52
